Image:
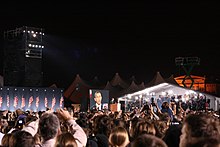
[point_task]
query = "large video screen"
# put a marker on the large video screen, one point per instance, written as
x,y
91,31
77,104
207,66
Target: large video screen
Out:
x,y
99,99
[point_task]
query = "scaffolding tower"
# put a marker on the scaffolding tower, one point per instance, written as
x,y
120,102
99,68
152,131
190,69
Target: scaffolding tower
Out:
x,y
23,48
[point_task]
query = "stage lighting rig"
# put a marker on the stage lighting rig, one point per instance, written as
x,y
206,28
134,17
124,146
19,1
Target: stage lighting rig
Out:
x,y
187,63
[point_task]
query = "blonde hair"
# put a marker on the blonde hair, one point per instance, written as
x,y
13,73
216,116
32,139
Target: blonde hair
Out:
x,y
65,139
119,137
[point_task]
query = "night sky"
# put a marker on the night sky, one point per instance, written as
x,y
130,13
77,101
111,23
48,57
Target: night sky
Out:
x,y
134,39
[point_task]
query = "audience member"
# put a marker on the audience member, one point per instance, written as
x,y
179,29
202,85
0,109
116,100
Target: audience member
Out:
x,y
21,139
119,137
77,131
5,139
147,140
198,126
65,140
204,142
49,128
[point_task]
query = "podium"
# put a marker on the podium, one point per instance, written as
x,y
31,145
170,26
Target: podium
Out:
x,y
115,107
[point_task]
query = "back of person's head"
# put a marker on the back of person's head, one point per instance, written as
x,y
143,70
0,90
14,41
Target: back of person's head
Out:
x,y
147,140
82,120
49,126
172,135
21,139
165,105
198,126
65,140
19,112
119,137
201,125
119,122
102,125
165,117
102,140
161,128
5,139
204,142
37,139
144,127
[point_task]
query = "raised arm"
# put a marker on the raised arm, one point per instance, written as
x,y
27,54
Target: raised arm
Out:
x,y
75,129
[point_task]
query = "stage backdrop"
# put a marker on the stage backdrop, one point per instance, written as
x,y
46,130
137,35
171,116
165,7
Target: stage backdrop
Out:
x,y
27,98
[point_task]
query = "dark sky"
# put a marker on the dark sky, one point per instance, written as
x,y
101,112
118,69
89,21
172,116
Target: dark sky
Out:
x,y
131,38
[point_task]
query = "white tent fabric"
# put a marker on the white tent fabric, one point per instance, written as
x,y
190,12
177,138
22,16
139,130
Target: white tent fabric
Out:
x,y
172,89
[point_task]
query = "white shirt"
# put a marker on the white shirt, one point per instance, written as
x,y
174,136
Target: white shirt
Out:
x,y
99,106
1,136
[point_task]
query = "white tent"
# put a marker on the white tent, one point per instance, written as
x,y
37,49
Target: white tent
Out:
x,y
169,89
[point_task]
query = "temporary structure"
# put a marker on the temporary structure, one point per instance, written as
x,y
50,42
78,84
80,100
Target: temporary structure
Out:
x,y
169,89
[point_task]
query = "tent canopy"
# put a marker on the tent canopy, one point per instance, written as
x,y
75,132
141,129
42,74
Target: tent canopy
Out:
x,y
169,90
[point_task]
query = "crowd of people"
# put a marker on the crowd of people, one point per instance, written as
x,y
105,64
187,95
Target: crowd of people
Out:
x,y
150,126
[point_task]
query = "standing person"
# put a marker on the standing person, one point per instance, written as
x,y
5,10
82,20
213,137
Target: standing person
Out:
x,y
148,140
65,139
49,128
74,128
166,109
200,128
112,101
98,101
1,126
119,137
21,138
